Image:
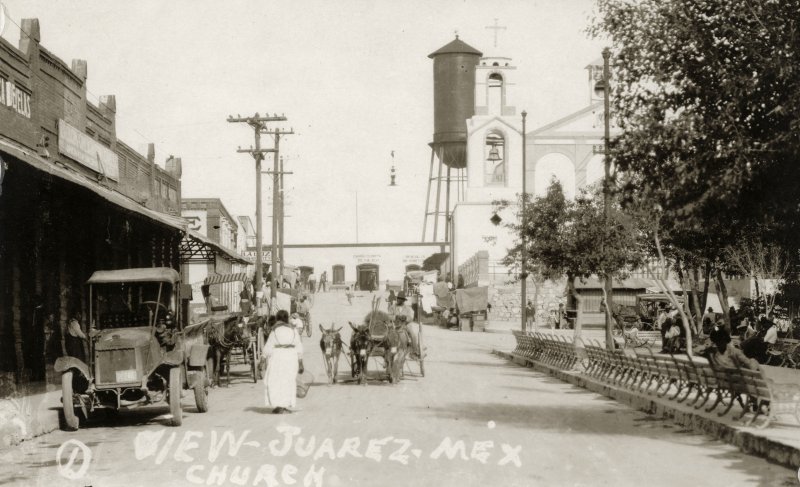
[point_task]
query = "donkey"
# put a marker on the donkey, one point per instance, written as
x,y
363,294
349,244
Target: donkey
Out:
x,y
360,348
331,345
395,346
223,336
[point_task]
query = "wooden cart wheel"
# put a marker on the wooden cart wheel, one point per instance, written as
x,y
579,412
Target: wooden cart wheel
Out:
x,y
201,391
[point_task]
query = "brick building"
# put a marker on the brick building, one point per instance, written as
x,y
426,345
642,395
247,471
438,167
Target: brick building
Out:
x,y
74,199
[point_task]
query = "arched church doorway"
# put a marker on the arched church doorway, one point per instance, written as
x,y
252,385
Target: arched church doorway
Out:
x,y
554,165
595,170
368,276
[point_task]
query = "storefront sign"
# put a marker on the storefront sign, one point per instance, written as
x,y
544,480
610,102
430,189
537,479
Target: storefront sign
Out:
x,y
368,259
266,255
14,98
414,259
88,152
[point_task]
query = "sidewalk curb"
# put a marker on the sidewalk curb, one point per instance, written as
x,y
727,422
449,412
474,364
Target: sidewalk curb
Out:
x,y
746,441
497,330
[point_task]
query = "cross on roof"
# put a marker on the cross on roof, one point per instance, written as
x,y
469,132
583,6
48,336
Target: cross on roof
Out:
x,y
496,28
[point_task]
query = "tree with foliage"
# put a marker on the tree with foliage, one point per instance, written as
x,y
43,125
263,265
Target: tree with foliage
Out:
x,y
707,94
572,239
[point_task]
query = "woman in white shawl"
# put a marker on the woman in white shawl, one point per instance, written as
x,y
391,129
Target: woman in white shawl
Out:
x,y
284,353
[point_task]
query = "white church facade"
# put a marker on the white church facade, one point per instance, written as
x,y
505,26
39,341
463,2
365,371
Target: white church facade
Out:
x,y
569,149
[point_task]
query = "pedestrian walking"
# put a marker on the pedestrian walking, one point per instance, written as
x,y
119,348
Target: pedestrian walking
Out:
x,y
323,282
391,300
349,295
284,352
312,283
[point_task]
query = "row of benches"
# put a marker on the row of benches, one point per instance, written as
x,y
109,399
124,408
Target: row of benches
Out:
x,y
682,377
677,377
554,350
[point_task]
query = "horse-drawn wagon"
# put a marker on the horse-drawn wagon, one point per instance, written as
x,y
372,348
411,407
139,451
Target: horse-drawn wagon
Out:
x,y
384,337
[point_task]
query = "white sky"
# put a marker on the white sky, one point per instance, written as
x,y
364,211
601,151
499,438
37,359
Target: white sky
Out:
x,y
353,78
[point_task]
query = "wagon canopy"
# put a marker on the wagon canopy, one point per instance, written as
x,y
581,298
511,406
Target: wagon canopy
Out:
x,y
145,274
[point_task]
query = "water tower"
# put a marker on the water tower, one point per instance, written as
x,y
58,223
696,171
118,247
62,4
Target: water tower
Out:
x,y
453,103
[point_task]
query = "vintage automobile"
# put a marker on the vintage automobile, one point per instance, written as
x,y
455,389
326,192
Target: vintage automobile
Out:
x,y
644,313
140,352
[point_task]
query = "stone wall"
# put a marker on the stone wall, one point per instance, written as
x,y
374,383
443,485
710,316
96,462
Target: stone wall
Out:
x,y
505,299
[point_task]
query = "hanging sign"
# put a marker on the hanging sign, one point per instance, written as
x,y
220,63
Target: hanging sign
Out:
x,y
88,152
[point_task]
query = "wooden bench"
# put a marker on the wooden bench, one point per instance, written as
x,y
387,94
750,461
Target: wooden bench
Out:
x,y
785,352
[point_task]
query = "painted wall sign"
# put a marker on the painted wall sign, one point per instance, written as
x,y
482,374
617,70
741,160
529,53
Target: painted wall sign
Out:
x,y
414,259
78,146
266,255
14,98
368,259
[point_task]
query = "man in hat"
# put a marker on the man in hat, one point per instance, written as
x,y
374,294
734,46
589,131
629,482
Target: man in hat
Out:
x,y
412,327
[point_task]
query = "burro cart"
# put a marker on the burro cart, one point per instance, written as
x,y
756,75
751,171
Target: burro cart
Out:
x,y
140,351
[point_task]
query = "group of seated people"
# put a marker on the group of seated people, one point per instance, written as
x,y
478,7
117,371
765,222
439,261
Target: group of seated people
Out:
x,y
755,344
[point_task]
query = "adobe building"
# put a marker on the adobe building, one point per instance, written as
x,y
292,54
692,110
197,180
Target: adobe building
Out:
x,y
74,199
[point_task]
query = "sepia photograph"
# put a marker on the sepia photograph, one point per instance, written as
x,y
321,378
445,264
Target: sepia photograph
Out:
x,y
421,243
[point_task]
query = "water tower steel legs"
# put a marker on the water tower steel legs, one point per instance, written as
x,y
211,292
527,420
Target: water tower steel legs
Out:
x,y
459,179
438,198
447,208
428,197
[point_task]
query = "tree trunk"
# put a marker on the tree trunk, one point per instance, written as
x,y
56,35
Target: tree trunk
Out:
x,y
536,284
608,285
698,311
722,293
684,308
758,291
706,282
572,292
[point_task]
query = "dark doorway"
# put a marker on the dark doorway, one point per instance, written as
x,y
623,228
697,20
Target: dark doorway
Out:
x,y
413,267
305,271
368,276
338,274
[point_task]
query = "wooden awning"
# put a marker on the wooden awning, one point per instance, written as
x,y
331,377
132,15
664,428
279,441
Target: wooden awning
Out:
x,y
196,247
223,278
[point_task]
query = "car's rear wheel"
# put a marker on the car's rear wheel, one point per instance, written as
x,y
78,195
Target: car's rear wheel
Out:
x,y
175,396
71,422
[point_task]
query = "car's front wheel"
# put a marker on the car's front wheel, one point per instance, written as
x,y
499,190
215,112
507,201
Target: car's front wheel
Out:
x,y
175,396
71,421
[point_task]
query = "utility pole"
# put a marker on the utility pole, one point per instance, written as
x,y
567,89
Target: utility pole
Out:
x,y
259,124
282,215
276,177
608,285
524,253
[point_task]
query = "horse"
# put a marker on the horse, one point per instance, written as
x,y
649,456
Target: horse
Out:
x,y
224,336
360,348
331,345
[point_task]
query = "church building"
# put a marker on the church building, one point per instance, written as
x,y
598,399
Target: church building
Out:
x,y
569,149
